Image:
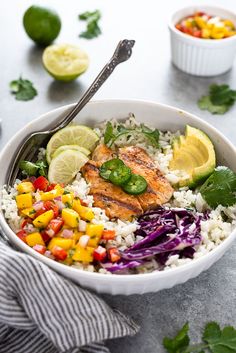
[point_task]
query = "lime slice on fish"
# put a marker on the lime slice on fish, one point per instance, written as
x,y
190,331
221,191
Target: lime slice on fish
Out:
x,y
71,147
65,62
64,167
79,135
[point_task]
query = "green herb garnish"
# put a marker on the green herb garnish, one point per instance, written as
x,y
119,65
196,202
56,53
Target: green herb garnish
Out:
x,y
214,340
93,30
33,169
220,188
219,100
23,89
112,134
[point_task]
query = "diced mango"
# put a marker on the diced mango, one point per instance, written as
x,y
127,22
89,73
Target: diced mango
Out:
x,y
76,205
25,187
43,220
94,230
24,201
77,235
29,212
218,32
68,199
34,239
200,22
95,233
63,243
83,254
206,33
70,217
228,23
86,213
50,195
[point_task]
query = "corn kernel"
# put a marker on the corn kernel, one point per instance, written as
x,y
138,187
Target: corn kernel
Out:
x,y
24,200
70,217
34,239
43,220
25,187
63,243
83,254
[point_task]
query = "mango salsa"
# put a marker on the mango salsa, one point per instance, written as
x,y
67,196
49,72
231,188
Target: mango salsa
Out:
x,y
34,239
63,243
24,200
43,220
25,187
70,217
83,254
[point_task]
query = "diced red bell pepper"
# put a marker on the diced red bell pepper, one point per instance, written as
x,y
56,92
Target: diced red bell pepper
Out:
x,y
113,254
45,236
41,183
40,248
22,234
59,253
108,234
50,205
25,222
197,33
51,187
99,253
54,226
39,212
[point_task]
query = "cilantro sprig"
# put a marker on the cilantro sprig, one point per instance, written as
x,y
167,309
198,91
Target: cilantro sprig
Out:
x,y
214,340
92,30
220,188
112,134
32,169
219,100
23,89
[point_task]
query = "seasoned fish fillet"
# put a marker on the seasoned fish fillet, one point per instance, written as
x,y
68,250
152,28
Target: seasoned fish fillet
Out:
x,y
102,154
111,198
159,190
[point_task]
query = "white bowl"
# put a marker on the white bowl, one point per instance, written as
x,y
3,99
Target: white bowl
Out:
x,y
163,117
202,57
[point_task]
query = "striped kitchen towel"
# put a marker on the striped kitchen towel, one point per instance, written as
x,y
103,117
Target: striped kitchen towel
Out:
x,y
42,312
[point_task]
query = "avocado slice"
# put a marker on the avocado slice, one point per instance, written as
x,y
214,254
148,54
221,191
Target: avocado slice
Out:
x,y
193,154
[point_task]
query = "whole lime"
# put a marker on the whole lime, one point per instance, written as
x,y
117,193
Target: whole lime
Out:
x,y
41,24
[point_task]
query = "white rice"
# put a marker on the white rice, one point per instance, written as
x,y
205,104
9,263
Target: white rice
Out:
x,y
213,230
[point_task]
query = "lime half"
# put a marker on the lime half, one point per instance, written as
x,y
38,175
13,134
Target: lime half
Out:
x,y
65,62
83,150
64,167
79,135
41,24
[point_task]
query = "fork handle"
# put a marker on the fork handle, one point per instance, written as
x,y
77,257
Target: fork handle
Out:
x,y
116,59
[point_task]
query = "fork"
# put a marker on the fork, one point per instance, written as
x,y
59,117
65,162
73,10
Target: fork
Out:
x,y
29,146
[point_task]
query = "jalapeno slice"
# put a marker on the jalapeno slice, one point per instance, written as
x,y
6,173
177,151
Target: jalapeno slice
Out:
x,y
120,175
107,167
136,185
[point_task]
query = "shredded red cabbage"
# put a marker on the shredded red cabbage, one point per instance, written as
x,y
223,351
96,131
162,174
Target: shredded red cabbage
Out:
x,y
165,232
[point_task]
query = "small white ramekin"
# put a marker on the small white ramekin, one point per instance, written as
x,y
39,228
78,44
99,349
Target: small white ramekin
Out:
x,y
202,57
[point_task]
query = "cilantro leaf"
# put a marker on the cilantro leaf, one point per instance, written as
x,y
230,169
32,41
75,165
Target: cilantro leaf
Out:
x,y
220,188
179,343
221,94
220,341
204,103
92,30
23,89
33,169
152,135
108,134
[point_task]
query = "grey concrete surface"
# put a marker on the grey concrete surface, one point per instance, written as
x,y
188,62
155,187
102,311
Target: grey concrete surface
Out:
x,y
148,75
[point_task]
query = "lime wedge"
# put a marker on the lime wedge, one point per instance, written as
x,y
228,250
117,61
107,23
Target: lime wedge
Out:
x,y
64,167
65,62
83,150
79,135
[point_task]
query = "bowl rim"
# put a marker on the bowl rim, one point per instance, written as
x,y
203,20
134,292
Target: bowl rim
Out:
x,y
108,276
217,42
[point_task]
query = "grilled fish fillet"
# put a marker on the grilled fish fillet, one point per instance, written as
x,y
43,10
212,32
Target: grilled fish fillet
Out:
x,y
111,198
159,190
